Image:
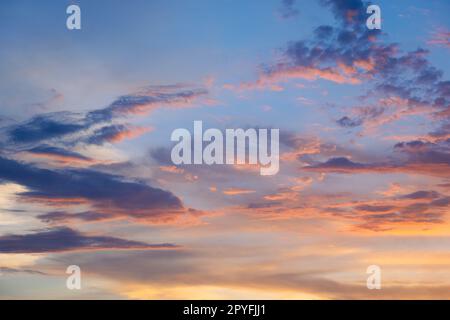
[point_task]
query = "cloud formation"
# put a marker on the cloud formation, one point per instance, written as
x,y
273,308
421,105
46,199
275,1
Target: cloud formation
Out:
x,y
115,133
61,125
288,9
102,190
58,154
66,239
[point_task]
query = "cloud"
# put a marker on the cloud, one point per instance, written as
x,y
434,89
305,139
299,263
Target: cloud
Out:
x,y
45,127
284,72
326,287
115,133
171,169
16,271
149,99
412,215
339,164
420,208
300,147
422,194
374,208
403,84
346,54
66,239
61,216
348,12
237,191
424,152
415,157
162,156
61,125
102,190
58,154
180,272
346,122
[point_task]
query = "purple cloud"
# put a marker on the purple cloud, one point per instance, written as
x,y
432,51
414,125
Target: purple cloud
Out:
x,y
66,239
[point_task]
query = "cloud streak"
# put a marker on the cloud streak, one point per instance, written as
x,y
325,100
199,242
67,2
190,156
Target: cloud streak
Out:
x,y
66,239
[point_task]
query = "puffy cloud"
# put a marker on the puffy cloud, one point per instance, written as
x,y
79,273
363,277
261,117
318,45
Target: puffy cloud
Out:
x,y
346,54
348,12
8,270
404,84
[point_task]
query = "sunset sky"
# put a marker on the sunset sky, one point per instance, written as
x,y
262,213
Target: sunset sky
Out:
x,y
86,176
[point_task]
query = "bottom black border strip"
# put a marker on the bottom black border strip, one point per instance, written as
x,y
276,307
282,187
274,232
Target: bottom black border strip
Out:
x,y
229,309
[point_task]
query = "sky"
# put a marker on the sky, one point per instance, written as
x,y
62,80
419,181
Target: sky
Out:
x,y
86,176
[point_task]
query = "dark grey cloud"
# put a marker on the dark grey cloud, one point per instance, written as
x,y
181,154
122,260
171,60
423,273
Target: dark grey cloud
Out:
x,y
45,127
62,124
346,122
422,194
161,155
414,156
374,208
151,98
411,145
102,189
66,239
106,134
418,151
384,221
264,205
8,270
323,32
443,132
339,163
348,12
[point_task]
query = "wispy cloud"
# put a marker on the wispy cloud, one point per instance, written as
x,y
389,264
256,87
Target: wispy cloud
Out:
x,y
65,239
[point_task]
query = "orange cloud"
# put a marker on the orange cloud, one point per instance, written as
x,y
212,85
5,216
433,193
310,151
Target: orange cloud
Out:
x,y
171,169
237,191
129,133
342,75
